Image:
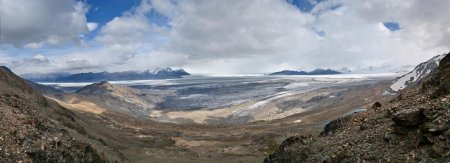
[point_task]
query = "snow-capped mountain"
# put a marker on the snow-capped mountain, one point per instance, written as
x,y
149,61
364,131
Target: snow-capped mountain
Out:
x,y
415,76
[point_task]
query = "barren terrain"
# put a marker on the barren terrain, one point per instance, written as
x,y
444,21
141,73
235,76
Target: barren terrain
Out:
x,y
219,134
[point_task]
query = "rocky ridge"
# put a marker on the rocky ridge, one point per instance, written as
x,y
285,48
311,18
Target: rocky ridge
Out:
x,y
413,127
116,98
34,129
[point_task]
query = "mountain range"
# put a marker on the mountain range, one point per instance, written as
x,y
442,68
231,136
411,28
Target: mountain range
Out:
x,y
314,72
166,73
358,70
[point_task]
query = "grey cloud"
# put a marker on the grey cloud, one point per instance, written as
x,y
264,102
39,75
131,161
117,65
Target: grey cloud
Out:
x,y
224,29
38,60
79,64
258,36
125,30
424,21
275,34
36,63
37,23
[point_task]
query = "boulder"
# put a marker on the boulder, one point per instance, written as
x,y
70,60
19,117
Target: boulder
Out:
x,y
377,105
334,125
409,117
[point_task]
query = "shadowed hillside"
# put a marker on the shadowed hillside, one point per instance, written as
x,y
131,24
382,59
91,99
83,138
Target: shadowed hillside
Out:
x,y
33,129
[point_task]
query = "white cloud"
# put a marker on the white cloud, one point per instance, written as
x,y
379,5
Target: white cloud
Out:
x,y
238,36
35,23
423,21
91,26
31,64
422,33
99,59
264,36
4,60
125,30
152,60
229,29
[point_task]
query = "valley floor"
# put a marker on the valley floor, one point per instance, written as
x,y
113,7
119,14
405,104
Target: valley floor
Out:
x,y
150,141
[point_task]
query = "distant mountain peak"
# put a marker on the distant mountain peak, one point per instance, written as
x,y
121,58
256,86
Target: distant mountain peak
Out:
x,y
103,85
98,87
160,73
317,71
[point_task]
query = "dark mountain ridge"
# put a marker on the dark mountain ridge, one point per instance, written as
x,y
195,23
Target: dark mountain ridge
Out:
x,y
166,73
314,72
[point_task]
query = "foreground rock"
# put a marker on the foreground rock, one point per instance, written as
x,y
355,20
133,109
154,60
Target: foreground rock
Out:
x,y
414,127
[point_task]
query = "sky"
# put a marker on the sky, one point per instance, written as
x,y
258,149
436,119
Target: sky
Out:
x,y
216,36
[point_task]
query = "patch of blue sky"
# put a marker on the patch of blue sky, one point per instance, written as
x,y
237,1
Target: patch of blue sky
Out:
x,y
392,26
103,11
158,19
304,5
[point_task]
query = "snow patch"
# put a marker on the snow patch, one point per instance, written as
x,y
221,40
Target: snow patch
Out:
x,y
420,72
297,121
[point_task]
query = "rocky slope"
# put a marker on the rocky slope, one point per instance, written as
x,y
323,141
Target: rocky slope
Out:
x,y
413,127
34,129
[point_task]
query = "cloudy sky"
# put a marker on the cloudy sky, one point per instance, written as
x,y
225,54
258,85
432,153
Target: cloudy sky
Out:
x,y
217,36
